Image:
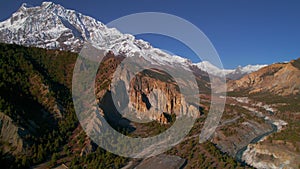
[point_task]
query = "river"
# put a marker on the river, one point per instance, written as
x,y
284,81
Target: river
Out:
x,y
241,151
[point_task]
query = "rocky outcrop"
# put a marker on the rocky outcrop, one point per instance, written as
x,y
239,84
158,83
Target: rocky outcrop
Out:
x,y
163,119
281,78
151,97
10,135
272,156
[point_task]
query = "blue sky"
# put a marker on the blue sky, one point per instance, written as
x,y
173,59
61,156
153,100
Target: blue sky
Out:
x,y
242,31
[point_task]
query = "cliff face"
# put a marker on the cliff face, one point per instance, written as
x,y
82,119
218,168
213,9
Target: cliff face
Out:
x,y
152,97
10,135
281,78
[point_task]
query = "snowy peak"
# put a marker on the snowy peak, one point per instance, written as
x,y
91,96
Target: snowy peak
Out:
x,y
47,4
230,73
211,69
241,71
251,68
51,26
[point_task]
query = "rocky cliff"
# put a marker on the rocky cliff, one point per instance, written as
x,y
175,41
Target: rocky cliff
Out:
x,y
271,156
152,96
11,135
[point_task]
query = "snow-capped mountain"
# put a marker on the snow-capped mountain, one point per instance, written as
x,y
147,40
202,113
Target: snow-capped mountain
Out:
x,y
212,69
241,71
230,73
52,26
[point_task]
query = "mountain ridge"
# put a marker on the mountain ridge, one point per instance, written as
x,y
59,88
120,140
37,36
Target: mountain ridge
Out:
x,y
279,78
51,26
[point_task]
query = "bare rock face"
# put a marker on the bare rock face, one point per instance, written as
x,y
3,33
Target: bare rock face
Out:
x,y
10,135
152,97
282,79
270,156
163,119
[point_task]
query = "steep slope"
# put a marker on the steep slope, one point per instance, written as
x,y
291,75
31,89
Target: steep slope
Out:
x,y
35,103
280,79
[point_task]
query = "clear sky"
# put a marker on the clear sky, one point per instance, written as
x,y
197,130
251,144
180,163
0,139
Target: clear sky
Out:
x,y
242,31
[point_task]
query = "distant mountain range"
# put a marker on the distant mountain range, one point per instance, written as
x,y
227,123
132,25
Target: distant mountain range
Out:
x,y
51,26
230,73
